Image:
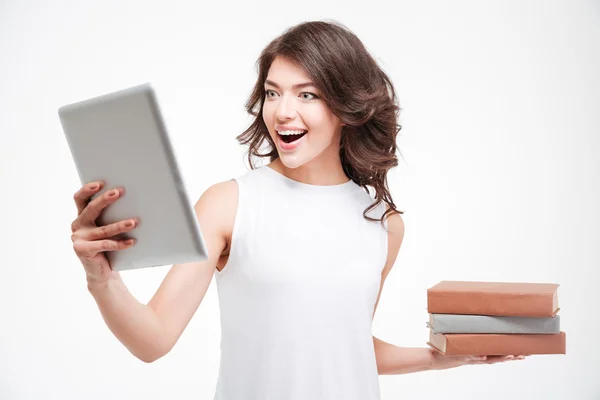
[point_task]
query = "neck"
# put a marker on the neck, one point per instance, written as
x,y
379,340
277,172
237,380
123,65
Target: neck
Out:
x,y
322,171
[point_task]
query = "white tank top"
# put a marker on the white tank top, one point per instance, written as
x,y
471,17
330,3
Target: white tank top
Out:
x,y
298,292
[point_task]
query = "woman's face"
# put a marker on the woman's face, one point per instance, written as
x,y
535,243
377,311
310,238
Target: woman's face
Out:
x,y
299,122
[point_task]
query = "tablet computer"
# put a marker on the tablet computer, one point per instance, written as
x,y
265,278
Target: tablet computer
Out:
x,y
121,139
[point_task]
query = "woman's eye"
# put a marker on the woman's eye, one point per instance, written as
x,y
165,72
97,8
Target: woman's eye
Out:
x,y
314,96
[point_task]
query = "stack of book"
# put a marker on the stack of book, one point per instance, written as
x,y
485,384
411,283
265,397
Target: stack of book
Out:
x,y
494,318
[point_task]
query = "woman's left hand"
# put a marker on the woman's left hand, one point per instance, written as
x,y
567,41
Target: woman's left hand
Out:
x,y
441,361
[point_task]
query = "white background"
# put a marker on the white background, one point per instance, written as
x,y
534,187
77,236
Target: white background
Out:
x,y
498,180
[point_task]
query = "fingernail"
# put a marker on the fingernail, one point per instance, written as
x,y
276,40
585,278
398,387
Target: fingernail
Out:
x,y
94,186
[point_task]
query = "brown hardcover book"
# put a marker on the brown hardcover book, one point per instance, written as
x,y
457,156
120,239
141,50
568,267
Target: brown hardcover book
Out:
x,y
487,344
511,299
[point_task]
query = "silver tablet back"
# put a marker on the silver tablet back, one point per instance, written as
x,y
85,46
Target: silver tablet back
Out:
x,y
120,138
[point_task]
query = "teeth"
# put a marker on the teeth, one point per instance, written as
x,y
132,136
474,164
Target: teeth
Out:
x,y
291,132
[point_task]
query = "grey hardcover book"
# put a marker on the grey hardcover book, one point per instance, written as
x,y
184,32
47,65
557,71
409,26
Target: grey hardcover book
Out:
x,y
459,323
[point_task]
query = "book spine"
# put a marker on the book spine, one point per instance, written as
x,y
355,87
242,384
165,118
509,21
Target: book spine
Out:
x,y
492,344
456,323
491,303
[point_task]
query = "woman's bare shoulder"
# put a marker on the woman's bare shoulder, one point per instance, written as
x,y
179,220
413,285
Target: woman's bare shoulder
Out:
x,y
219,203
395,225
221,191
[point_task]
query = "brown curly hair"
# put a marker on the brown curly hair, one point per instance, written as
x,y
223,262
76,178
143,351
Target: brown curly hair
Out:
x,y
356,90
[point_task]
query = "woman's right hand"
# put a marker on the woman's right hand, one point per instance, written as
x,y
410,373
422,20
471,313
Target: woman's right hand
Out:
x,y
90,241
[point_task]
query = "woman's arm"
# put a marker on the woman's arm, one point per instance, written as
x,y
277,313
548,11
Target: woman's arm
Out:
x,y
185,285
149,331
394,360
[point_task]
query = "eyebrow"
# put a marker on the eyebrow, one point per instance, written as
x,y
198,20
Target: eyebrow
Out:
x,y
298,86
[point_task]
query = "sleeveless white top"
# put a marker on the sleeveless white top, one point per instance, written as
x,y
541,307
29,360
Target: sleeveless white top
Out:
x,y
298,292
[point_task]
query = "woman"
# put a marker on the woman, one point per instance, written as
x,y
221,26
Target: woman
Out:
x,y
300,247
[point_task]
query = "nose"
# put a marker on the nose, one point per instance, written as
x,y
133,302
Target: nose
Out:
x,y
286,109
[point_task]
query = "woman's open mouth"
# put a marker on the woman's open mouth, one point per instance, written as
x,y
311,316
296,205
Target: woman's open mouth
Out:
x,y
291,136
290,139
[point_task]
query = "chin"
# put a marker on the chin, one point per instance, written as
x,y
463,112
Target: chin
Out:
x,y
291,161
